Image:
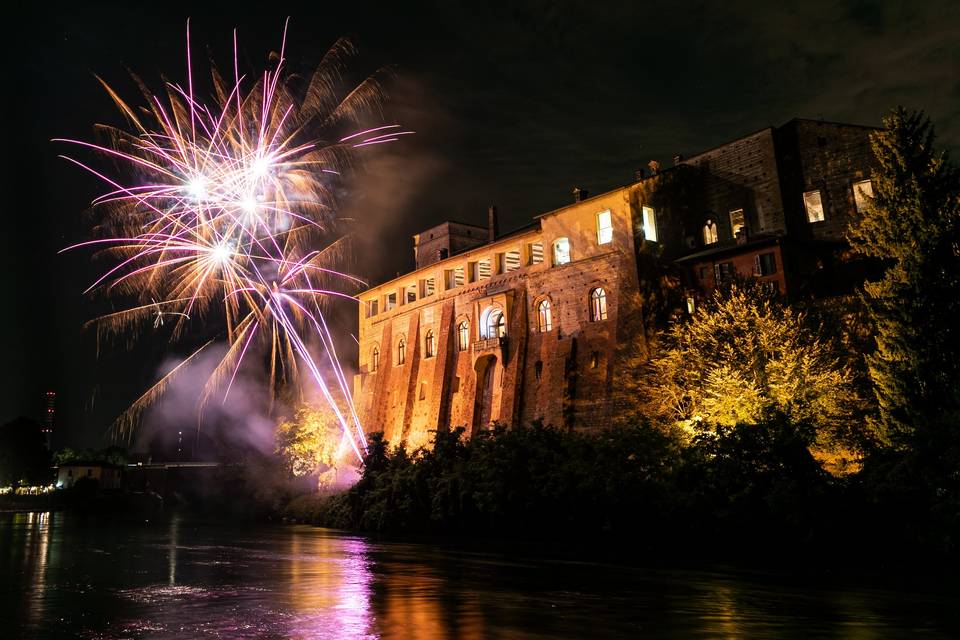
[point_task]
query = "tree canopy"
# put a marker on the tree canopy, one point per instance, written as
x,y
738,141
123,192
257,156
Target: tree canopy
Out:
x,y
310,442
913,225
743,356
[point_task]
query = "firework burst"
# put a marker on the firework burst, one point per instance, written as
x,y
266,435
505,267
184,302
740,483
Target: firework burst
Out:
x,y
226,216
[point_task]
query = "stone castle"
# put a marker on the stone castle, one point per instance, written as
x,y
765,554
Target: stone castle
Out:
x,y
525,325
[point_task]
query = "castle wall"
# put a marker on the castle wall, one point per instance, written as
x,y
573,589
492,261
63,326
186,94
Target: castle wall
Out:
x,y
741,175
447,388
828,157
566,374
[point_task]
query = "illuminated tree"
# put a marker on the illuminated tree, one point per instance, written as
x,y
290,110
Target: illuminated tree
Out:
x,y
913,226
310,442
742,357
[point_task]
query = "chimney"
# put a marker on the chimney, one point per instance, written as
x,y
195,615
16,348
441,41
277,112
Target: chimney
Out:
x,y
677,159
493,223
654,167
579,195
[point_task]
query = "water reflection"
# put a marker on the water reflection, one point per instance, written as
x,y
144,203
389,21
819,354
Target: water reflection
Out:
x,y
329,587
172,551
35,551
65,577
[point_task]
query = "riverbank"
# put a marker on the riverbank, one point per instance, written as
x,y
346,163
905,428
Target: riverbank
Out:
x,y
747,493
91,500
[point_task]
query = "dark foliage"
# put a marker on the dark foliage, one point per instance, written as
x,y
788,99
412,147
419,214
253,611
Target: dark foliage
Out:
x,y
744,490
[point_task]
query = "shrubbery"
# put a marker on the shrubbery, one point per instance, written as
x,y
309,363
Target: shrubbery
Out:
x,y
730,490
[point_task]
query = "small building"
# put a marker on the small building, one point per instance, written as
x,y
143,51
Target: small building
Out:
x,y
106,475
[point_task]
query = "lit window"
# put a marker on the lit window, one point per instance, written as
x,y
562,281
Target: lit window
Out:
x,y
737,222
463,336
814,206
410,293
691,305
390,302
604,228
649,223
401,351
430,344
544,317
536,253
561,251
598,305
375,359
371,308
709,232
765,264
862,194
496,326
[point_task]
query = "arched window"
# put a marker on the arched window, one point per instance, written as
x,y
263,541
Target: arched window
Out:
x,y
544,318
493,323
598,304
401,351
430,344
463,336
375,359
561,251
496,326
709,232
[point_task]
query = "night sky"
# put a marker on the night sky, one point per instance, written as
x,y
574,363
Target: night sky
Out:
x,y
513,104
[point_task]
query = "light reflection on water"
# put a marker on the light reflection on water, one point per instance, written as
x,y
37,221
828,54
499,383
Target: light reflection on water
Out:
x,y
66,577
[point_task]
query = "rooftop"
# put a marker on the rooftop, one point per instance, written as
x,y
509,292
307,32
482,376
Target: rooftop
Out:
x,y
758,240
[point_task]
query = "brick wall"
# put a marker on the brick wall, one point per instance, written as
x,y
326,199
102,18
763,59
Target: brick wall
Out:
x,y
828,157
567,376
740,175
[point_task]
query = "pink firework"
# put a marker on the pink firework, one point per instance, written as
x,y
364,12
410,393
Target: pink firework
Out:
x,y
225,211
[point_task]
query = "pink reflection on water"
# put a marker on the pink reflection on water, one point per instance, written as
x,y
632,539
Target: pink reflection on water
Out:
x,y
330,587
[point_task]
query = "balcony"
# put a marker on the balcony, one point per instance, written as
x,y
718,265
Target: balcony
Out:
x,y
490,344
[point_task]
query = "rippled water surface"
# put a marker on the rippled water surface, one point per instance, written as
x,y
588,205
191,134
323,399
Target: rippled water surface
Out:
x,y
67,577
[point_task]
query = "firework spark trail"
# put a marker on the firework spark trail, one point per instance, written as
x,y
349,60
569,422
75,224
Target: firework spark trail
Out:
x,y
221,214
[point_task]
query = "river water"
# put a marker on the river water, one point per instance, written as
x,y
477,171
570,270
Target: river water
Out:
x,y
68,577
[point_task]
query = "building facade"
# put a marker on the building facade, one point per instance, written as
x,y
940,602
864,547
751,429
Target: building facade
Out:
x,y
107,476
526,326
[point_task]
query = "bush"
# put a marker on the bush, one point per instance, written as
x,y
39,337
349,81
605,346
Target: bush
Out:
x,y
633,483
